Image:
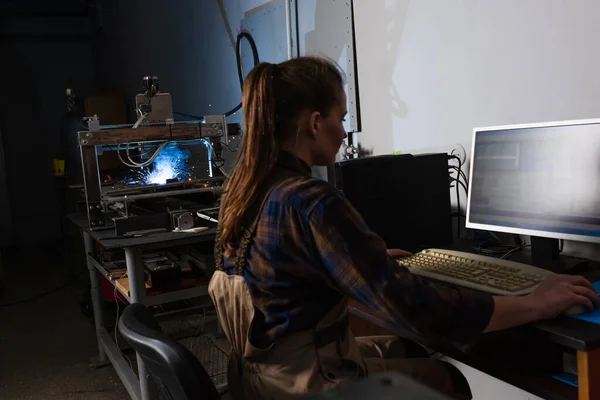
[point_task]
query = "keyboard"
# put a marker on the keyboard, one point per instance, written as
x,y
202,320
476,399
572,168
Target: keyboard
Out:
x,y
474,271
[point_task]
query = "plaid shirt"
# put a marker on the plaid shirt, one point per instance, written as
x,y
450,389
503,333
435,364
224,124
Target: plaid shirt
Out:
x,y
311,249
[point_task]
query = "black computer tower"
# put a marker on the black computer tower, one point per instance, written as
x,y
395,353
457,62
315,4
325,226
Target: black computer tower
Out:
x,y
403,198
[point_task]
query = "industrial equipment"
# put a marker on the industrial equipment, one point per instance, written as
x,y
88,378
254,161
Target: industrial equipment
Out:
x,y
157,173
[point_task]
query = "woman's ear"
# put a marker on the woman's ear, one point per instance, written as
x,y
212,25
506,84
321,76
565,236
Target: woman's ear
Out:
x,y
315,123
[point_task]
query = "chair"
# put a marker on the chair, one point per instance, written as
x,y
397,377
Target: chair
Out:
x,y
176,371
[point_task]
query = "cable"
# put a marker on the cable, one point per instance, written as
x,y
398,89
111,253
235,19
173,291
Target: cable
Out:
x,y
139,121
237,147
453,157
238,57
495,246
217,161
151,159
200,330
182,115
461,184
461,173
212,150
141,118
459,209
520,248
117,321
492,234
149,151
134,164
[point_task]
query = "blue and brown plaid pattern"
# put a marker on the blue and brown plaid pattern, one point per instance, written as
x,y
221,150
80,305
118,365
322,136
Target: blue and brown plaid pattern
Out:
x,y
311,248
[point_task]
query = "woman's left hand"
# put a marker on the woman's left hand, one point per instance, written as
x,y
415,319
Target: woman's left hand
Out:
x,y
397,253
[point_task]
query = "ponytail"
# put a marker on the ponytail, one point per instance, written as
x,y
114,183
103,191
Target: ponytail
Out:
x,y
273,98
258,154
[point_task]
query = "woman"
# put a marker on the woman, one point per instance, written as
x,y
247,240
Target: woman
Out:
x,y
291,250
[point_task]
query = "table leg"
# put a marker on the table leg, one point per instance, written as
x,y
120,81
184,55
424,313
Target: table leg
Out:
x,y
97,301
137,289
588,374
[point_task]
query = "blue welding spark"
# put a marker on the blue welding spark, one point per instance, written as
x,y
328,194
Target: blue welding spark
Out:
x,y
169,164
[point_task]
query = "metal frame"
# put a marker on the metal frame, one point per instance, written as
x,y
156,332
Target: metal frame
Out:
x,y
215,127
349,64
521,231
137,386
285,17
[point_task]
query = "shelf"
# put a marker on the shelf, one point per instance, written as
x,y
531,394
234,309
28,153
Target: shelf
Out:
x,y
167,297
176,295
104,272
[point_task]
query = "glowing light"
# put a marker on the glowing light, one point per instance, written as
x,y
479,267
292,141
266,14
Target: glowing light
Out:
x,y
169,164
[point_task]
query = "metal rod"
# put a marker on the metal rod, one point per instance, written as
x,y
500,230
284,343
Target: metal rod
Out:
x,y
183,132
288,28
135,272
182,294
226,22
129,190
179,311
91,180
120,365
184,310
97,302
144,378
209,152
215,190
137,290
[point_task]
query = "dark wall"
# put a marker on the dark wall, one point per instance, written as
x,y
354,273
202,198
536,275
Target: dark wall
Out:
x,y
184,43
41,55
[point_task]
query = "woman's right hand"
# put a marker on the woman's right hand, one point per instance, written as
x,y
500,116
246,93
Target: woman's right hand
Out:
x,y
559,292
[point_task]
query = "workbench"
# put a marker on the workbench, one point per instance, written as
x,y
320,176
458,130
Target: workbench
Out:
x,y
108,351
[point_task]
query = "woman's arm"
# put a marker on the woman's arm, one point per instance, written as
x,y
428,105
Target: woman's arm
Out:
x,y
356,262
551,298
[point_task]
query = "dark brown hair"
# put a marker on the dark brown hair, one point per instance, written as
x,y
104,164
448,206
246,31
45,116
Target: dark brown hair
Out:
x,y
274,98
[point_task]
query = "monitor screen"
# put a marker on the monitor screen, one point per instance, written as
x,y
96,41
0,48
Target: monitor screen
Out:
x,y
538,179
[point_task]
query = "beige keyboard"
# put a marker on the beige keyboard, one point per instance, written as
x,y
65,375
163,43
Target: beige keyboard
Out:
x,y
487,274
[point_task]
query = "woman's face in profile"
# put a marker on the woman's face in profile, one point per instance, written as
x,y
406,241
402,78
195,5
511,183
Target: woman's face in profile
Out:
x,y
330,133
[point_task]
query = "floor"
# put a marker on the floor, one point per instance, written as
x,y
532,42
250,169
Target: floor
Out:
x,y
46,343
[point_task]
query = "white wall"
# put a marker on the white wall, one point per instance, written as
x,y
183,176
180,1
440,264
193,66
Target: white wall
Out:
x,y
431,70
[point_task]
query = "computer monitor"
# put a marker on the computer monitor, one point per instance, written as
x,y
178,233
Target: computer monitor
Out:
x,y
538,179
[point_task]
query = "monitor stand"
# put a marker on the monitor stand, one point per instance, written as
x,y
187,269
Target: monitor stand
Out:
x,y
545,253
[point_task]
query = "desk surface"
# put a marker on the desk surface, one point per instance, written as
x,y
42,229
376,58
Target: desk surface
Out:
x,y
514,356
566,331
570,332
107,237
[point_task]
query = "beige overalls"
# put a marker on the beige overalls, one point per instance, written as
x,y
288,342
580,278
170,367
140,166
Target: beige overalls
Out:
x,y
313,360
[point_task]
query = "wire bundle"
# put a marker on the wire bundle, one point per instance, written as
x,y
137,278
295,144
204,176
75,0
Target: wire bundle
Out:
x,y
458,179
133,164
495,246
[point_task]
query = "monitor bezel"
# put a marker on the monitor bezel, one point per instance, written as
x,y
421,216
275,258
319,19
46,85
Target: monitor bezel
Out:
x,y
523,231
